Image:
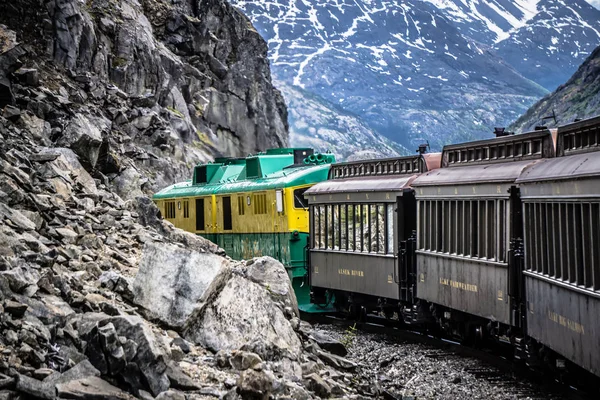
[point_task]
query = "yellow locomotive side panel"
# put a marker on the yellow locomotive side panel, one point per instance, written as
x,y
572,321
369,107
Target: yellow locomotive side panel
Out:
x,y
251,212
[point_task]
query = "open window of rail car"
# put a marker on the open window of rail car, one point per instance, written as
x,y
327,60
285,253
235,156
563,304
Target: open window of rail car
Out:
x,y
468,211
357,220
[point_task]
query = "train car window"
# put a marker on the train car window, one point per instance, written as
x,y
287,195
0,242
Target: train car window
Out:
x,y
491,229
358,227
595,244
571,235
578,244
186,209
299,200
329,226
390,229
446,218
199,214
344,227
227,217
366,227
550,240
440,226
460,227
586,232
502,218
351,227
564,242
474,229
336,227
381,225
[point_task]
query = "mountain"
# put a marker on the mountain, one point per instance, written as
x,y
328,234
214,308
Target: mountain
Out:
x,y
438,70
554,42
324,126
578,98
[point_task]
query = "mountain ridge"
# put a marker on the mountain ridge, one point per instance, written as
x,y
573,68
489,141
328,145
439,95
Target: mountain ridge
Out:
x,y
408,69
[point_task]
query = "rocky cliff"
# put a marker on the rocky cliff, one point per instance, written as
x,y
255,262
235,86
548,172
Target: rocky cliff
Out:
x,y
579,97
141,91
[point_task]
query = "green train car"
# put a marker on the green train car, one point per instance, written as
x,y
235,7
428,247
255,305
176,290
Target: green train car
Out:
x,y
252,206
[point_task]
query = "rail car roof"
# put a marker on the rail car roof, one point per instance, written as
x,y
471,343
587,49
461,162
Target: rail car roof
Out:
x,y
356,185
576,166
381,175
277,180
490,173
496,160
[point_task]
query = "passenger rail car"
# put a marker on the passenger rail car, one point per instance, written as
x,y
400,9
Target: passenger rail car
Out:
x,y
469,211
561,209
359,219
252,206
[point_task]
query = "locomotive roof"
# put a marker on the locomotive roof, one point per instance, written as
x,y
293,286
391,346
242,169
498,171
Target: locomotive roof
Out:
x,y
295,176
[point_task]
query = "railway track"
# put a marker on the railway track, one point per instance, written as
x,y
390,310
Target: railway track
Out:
x,y
518,379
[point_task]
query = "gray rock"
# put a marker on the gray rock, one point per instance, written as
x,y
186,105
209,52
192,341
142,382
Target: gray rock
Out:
x,y
328,343
171,280
255,384
145,357
34,388
170,395
16,218
91,388
15,309
84,136
6,381
235,309
336,361
242,360
179,380
316,384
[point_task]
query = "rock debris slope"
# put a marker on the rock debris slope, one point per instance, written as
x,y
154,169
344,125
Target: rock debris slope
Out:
x,y
101,101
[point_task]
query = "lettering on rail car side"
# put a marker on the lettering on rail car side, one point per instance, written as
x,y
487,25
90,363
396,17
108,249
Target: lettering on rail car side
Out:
x,y
351,272
468,287
566,322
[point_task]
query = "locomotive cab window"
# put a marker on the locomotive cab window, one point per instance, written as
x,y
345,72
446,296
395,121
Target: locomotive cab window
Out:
x,y
299,200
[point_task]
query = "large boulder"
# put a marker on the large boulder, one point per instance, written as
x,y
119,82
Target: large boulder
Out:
x,y
125,348
171,280
239,310
84,136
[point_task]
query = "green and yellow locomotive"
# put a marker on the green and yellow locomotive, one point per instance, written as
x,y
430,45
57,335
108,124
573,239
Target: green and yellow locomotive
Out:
x,y
252,206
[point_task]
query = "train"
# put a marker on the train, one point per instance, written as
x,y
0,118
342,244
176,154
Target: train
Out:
x,y
495,240
252,206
